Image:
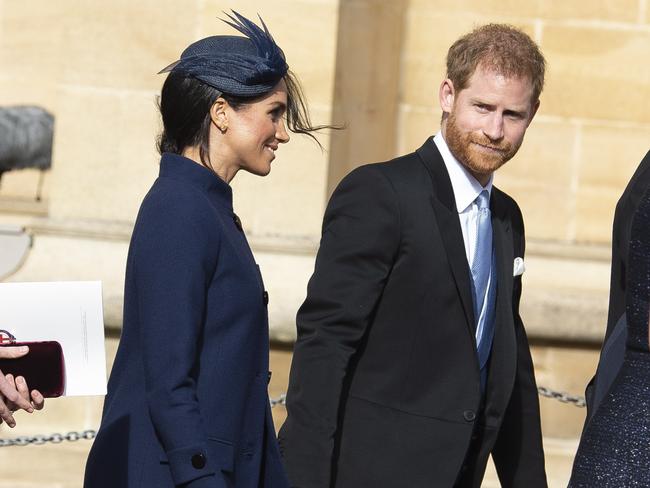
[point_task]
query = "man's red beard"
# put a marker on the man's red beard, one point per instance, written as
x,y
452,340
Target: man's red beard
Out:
x,y
478,161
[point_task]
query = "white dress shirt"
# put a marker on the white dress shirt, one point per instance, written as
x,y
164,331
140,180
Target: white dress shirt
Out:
x,y
466,188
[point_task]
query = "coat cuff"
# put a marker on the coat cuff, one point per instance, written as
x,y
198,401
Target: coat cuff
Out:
x,y
190,463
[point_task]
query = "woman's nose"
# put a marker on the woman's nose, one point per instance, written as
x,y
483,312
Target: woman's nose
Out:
x,y
281,133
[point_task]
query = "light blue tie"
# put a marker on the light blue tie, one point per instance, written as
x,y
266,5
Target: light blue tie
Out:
x,y
481,271
482,259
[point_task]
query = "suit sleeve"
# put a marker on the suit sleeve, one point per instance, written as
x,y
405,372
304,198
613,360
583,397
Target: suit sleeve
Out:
x,y
361,232
172,263
518,452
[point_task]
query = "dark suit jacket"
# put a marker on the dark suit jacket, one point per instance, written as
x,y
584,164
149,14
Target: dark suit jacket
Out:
x,y
187,401
384,389
613,350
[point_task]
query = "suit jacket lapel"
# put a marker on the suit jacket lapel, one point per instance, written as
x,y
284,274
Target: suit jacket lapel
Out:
x,y
504,347
444,206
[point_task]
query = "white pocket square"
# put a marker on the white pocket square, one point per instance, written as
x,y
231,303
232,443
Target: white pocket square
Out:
x,y
519,267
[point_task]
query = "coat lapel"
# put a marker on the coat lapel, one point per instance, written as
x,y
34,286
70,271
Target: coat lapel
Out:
x,y
444,206
504,347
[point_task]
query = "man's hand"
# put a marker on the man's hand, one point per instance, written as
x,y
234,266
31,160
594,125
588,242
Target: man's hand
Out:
x,y
14,392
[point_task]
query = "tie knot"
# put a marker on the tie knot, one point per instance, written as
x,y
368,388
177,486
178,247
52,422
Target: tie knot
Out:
x,y
483,200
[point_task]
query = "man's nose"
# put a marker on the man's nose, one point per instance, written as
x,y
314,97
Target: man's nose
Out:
x,y
493,127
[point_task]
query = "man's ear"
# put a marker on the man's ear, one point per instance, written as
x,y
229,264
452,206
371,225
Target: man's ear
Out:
x,y
446,95
218,114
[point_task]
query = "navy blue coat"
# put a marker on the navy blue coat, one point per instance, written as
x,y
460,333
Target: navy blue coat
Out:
x,y
187,401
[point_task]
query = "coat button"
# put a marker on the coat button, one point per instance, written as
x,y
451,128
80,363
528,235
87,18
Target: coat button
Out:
x,y
266,297
198,461
269,378
237,222
469,415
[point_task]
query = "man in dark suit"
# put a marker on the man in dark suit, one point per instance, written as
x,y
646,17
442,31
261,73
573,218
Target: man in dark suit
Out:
x,y
611,356
412,363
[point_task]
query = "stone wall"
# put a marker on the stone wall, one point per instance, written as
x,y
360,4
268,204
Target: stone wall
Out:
x,y
94,66
372,65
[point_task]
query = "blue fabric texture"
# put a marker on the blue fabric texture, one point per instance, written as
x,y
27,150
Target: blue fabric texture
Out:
x,y
242,66
190,374
483,271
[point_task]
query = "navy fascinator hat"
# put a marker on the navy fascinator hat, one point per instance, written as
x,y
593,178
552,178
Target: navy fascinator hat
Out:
x,y
240,66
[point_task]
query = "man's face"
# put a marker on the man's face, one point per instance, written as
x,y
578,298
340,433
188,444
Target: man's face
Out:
x,y
487,120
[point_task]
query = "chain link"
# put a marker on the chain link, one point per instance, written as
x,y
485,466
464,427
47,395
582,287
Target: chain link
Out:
x,y
281,400
39,440
576,401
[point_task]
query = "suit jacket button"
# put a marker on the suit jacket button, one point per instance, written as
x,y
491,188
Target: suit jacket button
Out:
x,y
469,415
266,297
198,461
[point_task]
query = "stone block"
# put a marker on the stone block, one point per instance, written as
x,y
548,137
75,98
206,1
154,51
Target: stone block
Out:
x,y
31,39
367,81
595,213
610,154
18,90
561,314
25,184
607,10
285,277
427,37
121,44
104,158
597,73
539,178
415,125
308,43
609,157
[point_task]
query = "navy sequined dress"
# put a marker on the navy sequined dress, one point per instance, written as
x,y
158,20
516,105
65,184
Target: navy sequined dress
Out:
x,y
615,448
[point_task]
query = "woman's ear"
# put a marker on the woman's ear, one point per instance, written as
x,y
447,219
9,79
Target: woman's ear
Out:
x,y
218,114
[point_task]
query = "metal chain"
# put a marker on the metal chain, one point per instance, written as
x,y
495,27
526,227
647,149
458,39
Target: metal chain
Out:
x,y
88,435
281,400
577,401
43,439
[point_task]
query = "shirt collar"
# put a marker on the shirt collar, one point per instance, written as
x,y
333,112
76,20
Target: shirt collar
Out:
x,y
181,168
466,187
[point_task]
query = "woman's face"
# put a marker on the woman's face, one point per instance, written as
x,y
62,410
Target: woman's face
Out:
x,y
254,132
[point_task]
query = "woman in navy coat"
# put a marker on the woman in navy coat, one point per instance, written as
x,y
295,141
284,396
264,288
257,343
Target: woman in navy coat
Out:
x,y
187,402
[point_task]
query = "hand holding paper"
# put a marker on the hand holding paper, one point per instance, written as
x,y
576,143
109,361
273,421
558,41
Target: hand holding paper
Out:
x,y
14,393
62,323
